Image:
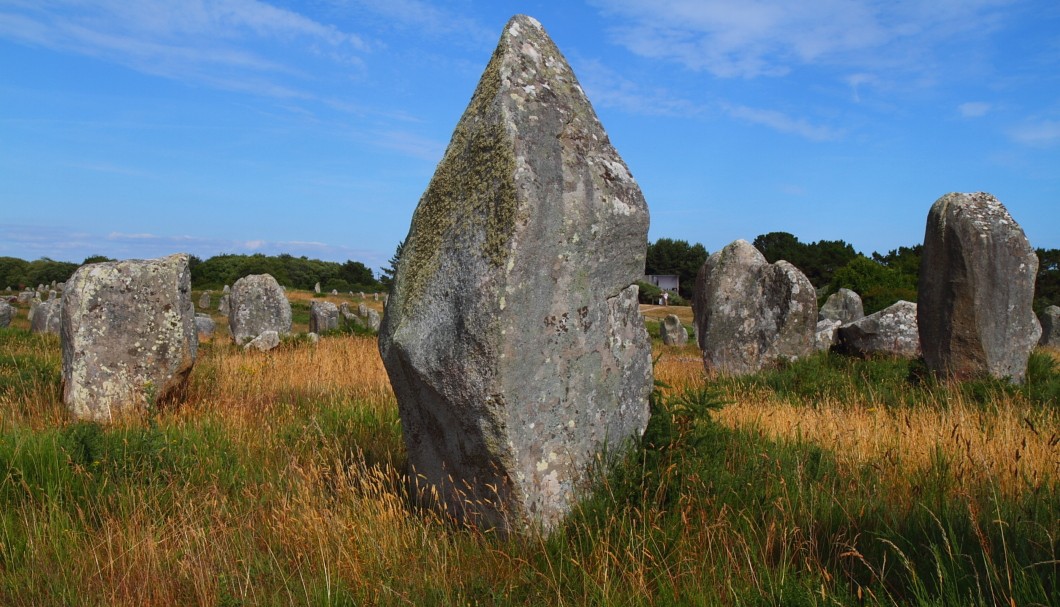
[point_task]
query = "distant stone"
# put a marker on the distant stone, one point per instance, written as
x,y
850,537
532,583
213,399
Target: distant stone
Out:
x,y
313,338
672,331
323,316
514,342
375,296
52,295
204,301
128,336
316,288
891,331
60,286
826,334
224,305
334,291
46,316
267,340
258,304
1050,321
26,296
977,274
204,325
373,320
7,312
361,294
227,289
752,313
362,310
844,305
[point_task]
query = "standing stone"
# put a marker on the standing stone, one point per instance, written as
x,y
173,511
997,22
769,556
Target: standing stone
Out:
x,y
334,291
204,326
891,331
224,306
227,289
7,312
361,294
1050,321
374,321
826,334
128,336
977,276
672,331
258,304
52,295
362,310
514,341
46,316
844,305
752,313
375,296
26,296
267,340
323,316
316,288
204,301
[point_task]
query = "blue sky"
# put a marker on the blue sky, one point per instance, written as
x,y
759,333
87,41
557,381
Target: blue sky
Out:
x,y
138,129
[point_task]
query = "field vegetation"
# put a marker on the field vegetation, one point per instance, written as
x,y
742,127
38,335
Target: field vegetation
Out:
x,y
281,480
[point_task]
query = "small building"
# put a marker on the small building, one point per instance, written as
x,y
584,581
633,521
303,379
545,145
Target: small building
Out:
x,y
665,282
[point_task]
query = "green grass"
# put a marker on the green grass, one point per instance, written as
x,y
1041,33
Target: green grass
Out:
x,y
305,502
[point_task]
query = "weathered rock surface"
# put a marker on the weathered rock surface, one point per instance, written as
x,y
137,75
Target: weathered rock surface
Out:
x,y
316,288
264,342
204,300
128,335
362,310
224,305
751,313
844,305
977,275
372,320
323,316
26,296
7,312
826,334
672,331
891,331
1050,321
257,304
46,316
513,338
204,325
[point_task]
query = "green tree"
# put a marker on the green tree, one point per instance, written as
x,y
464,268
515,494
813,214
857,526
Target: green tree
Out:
x,y
669,256
879,286
817,260
1047,283
390,270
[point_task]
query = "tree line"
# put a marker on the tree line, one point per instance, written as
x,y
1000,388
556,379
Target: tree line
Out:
x,y
212,273
880,279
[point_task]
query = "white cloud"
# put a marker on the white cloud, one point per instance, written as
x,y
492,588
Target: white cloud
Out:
x,y
233,44
973,109
741,38
607,88
782,122
1039,133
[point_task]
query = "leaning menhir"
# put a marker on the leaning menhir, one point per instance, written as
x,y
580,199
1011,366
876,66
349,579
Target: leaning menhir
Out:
x,y
128,335
513,338
977,276
752,313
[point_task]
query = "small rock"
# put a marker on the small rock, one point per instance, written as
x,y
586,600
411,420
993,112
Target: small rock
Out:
x,y
268,340
844,305
671,330
891,331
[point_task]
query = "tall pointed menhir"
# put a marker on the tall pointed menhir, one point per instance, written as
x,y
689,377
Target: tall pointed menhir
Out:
x,y
512,337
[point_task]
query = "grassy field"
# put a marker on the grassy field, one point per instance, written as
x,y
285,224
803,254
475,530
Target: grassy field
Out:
x,y
280,480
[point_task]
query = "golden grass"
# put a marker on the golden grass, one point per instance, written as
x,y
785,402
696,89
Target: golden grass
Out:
x,y
661,312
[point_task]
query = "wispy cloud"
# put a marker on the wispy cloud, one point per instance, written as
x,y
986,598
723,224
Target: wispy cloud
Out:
x,y
608,88
213,42
427,18
783,123
737,38
1039,133
973,109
